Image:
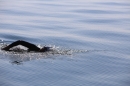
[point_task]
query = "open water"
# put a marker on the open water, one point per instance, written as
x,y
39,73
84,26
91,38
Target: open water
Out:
x,y
91,40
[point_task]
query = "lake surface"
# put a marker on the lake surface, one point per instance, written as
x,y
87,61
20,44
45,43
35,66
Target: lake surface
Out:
x,y
92,38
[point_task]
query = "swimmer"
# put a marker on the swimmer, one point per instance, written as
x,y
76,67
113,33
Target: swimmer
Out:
x,y
30,46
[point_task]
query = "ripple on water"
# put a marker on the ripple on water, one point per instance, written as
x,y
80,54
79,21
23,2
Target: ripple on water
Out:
x,y
92,35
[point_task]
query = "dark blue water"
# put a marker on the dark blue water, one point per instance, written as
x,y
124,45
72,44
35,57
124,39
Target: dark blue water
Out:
x,y
92,39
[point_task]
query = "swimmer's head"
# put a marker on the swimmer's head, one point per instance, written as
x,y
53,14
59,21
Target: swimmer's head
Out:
x,y
44,49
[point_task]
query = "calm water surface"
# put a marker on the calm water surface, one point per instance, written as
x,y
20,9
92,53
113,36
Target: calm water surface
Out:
x,y
93,37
